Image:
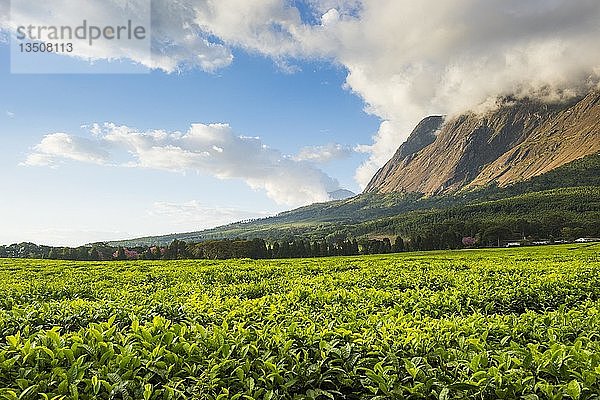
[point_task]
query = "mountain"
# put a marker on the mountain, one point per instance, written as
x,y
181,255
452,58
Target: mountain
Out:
x,y
516,141
341,194
421,137
523,164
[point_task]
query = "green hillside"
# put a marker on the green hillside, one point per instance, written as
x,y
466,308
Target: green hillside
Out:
x,y
373,213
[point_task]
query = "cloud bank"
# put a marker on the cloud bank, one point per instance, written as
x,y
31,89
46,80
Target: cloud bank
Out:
x,y
213,150
408,60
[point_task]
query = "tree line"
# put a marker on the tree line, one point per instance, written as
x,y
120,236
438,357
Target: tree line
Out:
x,y
443,237
212,249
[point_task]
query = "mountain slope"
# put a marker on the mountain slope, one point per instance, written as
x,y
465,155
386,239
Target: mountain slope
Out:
x,y
518,140
573,133
368,213
422,136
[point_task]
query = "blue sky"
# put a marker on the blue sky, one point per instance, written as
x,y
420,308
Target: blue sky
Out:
x,y
251,107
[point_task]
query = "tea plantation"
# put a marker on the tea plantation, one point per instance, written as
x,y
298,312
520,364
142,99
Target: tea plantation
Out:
x,y
480,324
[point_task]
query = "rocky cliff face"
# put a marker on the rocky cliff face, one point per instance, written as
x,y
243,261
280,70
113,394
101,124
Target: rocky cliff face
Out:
x,y
514,142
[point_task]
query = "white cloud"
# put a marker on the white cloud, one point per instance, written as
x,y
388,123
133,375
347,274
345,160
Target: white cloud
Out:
x,y
266,26
174,41
10,114
379,152
57,147
323,154
178,42
208,149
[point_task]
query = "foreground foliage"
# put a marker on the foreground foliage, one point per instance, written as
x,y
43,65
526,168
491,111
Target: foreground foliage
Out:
x,y
489,324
